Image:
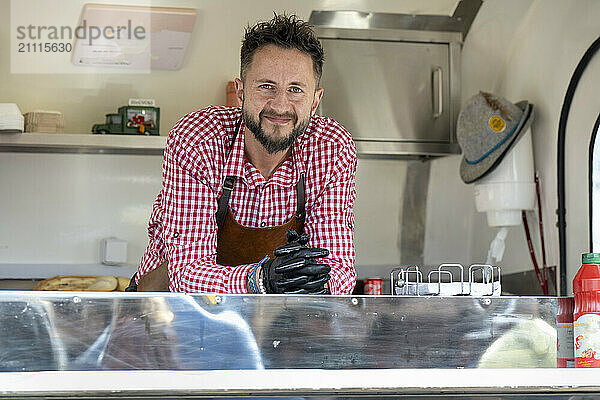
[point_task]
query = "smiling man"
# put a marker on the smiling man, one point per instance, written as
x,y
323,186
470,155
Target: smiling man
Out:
x,y
258,199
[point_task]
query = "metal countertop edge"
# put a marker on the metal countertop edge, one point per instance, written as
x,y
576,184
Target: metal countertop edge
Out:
x,y
315,381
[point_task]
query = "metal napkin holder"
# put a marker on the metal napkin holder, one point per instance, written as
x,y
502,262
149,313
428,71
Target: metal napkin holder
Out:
x,y
408,281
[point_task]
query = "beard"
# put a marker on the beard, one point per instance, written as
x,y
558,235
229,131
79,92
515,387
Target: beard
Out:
x,y
272,144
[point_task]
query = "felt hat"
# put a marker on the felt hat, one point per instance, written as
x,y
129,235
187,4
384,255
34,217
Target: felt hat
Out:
x,y
488,127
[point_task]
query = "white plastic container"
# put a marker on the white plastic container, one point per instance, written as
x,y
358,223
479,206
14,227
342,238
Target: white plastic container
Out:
x,y
510,187
11,119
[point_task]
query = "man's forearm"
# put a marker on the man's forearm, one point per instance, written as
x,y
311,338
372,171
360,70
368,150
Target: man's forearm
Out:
x,y
206,276
343,277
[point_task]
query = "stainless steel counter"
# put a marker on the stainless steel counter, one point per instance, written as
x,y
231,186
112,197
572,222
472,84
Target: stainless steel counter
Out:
x,y
115,345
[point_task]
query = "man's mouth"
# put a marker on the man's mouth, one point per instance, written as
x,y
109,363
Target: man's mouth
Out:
x,y
277,120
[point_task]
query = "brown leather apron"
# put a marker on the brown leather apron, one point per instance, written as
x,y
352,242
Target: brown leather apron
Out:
x,y
237,244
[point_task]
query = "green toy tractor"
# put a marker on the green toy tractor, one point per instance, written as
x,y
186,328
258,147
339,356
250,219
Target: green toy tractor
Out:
x,y
131,120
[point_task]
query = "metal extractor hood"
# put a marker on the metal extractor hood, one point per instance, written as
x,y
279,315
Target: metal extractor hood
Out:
x,y
393,80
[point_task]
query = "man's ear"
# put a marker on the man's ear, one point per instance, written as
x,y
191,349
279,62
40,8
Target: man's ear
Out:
x,y
239,90
316,100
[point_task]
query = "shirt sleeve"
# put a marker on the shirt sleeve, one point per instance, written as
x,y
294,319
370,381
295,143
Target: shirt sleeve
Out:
x,y
330,221
190,228
155,253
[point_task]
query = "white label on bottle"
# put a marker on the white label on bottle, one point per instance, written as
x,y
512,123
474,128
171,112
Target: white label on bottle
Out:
x,y
586,336
565,340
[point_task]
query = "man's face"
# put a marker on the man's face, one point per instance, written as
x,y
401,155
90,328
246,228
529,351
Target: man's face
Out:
x,y
279,96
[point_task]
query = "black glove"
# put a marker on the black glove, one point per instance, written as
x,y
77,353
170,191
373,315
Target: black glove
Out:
x,y
294,270
132,285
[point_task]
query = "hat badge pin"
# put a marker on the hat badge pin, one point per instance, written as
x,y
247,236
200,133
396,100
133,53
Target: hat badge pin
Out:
x,y
497,124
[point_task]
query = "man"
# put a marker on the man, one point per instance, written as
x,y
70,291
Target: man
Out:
x,y
236,181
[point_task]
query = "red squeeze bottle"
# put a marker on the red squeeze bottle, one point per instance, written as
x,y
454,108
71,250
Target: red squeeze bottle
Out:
x,y
565,356
586,318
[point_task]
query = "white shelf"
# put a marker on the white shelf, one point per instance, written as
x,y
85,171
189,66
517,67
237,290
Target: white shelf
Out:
x,y
82,143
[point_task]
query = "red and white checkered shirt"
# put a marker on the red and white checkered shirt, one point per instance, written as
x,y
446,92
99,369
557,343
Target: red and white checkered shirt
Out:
x,y
183,227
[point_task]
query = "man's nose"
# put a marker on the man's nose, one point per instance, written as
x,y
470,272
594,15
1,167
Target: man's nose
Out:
x,y
280,102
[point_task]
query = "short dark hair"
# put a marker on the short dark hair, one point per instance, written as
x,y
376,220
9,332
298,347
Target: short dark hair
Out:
x,y
288,32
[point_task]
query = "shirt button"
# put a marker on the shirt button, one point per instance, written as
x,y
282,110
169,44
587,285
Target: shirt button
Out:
x,y
176,235
263,224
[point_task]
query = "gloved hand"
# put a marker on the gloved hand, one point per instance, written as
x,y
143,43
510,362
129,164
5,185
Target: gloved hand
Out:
x,y
294,270
132,285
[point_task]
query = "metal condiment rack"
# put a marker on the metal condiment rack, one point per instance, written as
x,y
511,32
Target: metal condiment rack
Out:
x,y
408,281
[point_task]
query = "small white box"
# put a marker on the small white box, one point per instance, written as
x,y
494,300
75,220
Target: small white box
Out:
x,y
113,251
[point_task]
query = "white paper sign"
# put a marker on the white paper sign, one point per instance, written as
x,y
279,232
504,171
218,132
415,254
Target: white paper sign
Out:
x,y
142,102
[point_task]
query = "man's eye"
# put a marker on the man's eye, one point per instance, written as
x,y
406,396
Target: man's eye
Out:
x,y
296,90
266,86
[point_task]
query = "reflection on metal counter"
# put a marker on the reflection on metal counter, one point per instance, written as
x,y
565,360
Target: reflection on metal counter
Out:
x,y
133,331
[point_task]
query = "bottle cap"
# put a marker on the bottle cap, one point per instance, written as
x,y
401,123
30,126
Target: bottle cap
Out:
x,y
590,258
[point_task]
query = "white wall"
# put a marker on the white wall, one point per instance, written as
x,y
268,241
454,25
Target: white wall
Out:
x,y
57,207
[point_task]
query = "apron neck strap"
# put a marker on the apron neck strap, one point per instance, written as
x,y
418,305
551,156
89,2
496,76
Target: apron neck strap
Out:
x,y
229,184
300,198
238,125
223,202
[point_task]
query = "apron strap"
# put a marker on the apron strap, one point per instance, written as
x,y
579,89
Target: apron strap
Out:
x,y
223,202
300,198
238,125
229,183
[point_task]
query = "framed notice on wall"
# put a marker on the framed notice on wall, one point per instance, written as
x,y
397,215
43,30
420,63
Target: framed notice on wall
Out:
x,y
132,37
